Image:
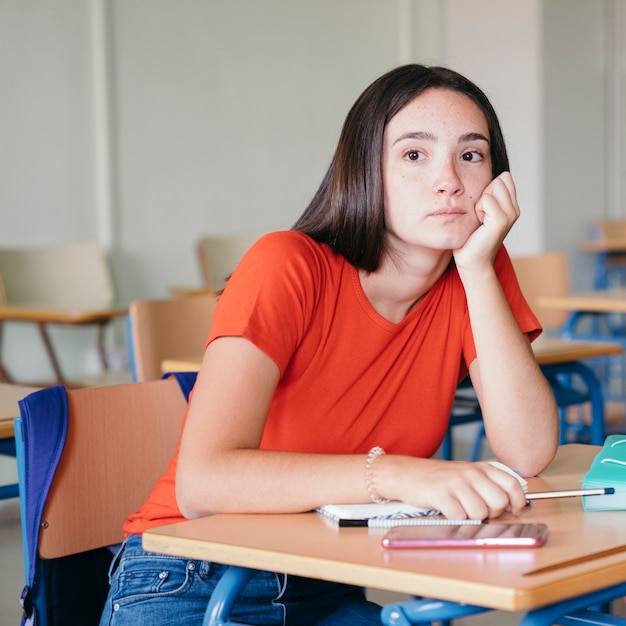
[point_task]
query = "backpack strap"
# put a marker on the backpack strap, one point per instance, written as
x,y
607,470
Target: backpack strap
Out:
x,y
44,422
185,380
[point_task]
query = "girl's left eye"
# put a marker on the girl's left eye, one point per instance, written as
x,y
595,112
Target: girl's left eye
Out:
x,y
472,155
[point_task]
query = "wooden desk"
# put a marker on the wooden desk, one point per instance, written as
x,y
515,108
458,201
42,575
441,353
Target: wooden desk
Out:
x,y
548,351
598,301
585,551
551,351
187,364
42,317
10,395
609,253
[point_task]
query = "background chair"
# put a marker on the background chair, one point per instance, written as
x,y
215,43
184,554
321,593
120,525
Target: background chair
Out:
x,y
219,255
167,329
86,459
66,284
547,274
610,251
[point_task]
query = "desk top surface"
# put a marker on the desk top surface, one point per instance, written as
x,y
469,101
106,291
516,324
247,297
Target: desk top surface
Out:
x,y
10,395
547,351
585,551
60,315
604,245
599,301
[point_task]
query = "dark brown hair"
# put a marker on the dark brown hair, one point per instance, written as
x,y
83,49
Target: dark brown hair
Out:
x,y
346,212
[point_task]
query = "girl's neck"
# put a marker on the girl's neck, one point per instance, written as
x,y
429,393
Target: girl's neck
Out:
x,y
398,286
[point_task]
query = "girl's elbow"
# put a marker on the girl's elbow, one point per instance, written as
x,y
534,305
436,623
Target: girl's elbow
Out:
x,y
190,500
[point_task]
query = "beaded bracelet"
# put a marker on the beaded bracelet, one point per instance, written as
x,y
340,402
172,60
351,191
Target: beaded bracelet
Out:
x,y
373,454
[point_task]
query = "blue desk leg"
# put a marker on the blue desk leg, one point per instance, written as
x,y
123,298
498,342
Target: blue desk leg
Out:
x,y
225,595
594,389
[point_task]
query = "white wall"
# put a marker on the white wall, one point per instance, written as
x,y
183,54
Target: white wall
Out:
x,y
498,44
146,123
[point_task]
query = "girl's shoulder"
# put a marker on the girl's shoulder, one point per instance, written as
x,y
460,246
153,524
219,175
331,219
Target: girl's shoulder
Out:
x,y
292,247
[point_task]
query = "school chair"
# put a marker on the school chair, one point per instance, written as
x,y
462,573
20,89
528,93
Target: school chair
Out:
x,y
86,459
65,284
609,246
218,255
573,384
166,329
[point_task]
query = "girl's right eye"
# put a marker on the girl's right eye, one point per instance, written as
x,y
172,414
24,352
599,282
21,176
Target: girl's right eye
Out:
x,y
414,155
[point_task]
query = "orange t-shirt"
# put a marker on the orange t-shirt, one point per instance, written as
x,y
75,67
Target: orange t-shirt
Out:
x,y
350,379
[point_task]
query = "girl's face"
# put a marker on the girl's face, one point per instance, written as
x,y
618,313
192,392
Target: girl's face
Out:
x,y
436,164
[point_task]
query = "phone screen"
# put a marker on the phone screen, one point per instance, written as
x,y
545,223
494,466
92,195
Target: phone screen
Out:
x,y
514,535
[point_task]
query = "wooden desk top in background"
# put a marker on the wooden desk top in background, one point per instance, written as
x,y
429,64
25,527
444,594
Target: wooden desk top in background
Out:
x,y
599,301
9,397
548,351
585,551
604,245
74,316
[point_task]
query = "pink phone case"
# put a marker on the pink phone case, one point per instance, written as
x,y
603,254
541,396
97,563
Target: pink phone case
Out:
x,y
515,535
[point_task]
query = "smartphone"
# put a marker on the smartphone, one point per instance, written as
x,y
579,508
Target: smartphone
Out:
x,y
514,535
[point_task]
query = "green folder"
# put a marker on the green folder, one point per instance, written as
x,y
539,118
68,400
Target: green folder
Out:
x,y
608,469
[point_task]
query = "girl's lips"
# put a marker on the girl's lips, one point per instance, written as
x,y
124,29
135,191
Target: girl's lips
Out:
x,y
447,212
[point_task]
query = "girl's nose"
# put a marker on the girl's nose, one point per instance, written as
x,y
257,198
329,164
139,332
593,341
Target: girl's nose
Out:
x,y
447,181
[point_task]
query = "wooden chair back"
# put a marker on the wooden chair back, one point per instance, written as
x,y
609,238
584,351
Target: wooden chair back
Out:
x,y
71,275
611,229
167,329
219,255
120,440
545,274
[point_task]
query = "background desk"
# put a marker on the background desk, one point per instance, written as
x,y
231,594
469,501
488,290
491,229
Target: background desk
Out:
x,y
10,395
585,551
609,255
548,351
43,317
599,301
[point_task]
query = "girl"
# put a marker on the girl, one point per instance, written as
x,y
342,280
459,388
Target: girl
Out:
x,y
336,349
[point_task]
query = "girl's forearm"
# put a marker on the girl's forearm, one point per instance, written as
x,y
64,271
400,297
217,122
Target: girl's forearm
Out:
x,y
517,402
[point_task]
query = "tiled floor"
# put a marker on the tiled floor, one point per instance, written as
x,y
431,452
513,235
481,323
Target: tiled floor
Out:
x,y
12,569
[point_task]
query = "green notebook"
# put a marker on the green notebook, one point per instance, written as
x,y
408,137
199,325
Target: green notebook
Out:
x,y
608,469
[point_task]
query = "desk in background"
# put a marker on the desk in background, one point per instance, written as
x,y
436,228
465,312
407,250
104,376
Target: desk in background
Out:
x,y
548,351
43,317
585,551
10,395
609,254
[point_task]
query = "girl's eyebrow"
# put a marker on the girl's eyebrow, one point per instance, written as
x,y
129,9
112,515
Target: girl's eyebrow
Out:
x,y
422,134
473,137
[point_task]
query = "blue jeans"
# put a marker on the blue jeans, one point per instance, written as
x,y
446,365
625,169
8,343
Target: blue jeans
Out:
x,y
160,590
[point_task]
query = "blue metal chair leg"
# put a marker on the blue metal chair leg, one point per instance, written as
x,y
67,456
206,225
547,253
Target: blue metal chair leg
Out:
x,y
225,595
425,611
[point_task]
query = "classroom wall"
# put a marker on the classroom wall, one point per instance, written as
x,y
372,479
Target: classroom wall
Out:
x,y
147,123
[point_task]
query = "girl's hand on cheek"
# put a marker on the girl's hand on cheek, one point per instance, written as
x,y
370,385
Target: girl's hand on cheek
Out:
x,y
497,210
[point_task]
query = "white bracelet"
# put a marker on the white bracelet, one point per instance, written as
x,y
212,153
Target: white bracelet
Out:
x,y
373,454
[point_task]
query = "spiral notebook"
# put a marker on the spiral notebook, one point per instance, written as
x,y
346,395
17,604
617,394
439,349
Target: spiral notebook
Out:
x,y
361,514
